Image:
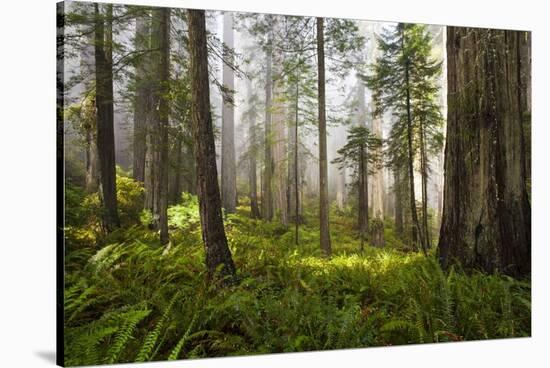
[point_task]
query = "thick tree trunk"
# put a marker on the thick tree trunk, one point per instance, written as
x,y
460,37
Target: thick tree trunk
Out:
x,y
141,101
323,164
524,53
228,165
486,215
218,255
190,170
164,111
157,138
105,116
267,195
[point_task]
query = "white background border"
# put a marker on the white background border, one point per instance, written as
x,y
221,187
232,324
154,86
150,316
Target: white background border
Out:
x,y
27,181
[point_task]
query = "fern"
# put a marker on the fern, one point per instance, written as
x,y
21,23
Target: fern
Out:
x,y
177,349
152,337
124,334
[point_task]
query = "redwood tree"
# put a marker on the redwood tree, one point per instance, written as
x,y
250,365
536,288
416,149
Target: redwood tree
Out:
x,y
105,115
486,220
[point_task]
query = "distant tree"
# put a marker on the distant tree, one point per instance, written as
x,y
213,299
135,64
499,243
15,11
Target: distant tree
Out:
x,y
250,115
362,154
183,172
228,163
142,99
267,190
218,255
404,81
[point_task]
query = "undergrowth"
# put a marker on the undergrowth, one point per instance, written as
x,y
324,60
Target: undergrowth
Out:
x,y
128,299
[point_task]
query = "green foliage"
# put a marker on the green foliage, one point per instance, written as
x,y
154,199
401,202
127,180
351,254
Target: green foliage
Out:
x,y
405,75
130,195
185,215
362,148
82,211
133,300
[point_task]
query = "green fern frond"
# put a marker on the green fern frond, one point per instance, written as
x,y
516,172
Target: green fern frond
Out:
x,y
124,334
152,337
177,349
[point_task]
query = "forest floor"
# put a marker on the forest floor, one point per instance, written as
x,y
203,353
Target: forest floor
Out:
x,y
129,299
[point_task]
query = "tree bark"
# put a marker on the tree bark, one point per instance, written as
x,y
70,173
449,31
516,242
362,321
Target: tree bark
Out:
x,y
252,174
323,164
175,190
156,183
424,176
141,100
228,165
105,116
486,220
397,185
363,197
218,255
296,177
377,203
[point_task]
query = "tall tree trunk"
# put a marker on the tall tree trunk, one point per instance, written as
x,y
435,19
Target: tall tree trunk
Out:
x,y
141,100
105,116
252,175
267,195
149,170
190,170
486,212
397,188
228,165
218,255
416,231
341,188
175,192
88,114
378,174
363,200
92,174
424,176
159,130
296,177
279,142
323,164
